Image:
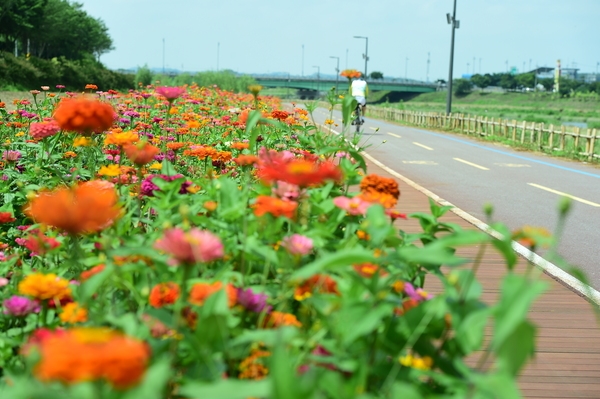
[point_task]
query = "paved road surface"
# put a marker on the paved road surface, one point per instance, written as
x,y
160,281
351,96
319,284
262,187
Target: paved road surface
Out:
x,y
523,187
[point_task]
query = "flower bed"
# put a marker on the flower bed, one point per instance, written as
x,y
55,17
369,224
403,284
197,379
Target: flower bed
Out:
x,y
192,242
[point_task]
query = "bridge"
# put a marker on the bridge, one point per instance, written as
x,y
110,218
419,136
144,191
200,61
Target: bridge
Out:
x,y
310,87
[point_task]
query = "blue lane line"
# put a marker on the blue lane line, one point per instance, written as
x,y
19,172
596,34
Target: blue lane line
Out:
x,y
509,154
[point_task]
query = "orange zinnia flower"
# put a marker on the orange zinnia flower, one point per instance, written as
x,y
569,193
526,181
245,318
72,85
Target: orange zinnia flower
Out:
x,y
164,294
240,146
383,190
91,272
201,152
369,270
121,138
86,208
301,172
45,286
84,115
317,283
246,160
277,207
278,319
92,354
201,291
73,313
141,153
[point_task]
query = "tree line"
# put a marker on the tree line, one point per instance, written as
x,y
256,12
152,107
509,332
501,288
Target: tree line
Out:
x,y
51,28
507,81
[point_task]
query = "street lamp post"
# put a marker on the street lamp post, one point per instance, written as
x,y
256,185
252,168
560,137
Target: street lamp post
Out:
x,y
218,51
337,72
406,69
303,60
366,54
455,25
163,55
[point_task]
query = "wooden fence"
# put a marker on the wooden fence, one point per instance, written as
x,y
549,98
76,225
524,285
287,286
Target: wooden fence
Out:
x,y
584,142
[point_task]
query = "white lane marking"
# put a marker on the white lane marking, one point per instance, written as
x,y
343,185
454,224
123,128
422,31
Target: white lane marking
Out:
x,y
513,165
423,146
395,135
565,195
471,164
421,162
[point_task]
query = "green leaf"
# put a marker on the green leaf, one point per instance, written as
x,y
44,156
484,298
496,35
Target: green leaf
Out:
x,y
90,286
344,258
405,391
430,254
348,106
363,318
226,389
167,168
470,332
268,337
518,292
497,386
517,348
154,383
252,120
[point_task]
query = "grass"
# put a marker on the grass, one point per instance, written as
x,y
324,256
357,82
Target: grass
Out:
x,y
530,107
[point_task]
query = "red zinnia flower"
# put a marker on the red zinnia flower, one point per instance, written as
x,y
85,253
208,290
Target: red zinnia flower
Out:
x,y
301,172
164,294
6,217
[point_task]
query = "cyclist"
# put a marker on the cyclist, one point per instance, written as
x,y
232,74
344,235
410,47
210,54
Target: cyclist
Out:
x,y
360,90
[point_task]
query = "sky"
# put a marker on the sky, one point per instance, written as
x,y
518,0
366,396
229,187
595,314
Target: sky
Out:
x,y
406,38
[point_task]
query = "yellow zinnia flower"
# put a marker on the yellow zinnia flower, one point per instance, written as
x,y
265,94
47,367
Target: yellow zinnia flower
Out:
x,y
45,286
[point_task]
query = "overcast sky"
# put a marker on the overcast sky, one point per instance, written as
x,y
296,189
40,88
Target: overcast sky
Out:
x,y
265,36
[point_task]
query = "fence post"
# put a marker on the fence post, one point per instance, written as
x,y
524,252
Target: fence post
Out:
x,y
563,131
592,144
551,138
577,132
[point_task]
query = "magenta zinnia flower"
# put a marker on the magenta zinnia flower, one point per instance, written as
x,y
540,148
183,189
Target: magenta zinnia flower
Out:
x,y
11,155
416,293
20,306
297,244
254,302
190,247
40,130
170,93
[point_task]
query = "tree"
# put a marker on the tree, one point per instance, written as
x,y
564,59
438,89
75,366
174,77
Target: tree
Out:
x,y
143,76
462,87
508,82
481,81
548,83
526,79
375,75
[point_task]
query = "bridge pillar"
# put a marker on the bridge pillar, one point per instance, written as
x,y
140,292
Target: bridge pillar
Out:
x,y
307,94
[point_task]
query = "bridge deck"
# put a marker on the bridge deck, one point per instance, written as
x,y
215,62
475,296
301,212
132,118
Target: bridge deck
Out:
x,y
567,364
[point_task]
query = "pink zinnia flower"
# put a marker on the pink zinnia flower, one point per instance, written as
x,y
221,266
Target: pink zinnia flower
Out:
x,y
42,130
11,155
20,306
170,93
287,191
416,293
190,247
354,206
297,244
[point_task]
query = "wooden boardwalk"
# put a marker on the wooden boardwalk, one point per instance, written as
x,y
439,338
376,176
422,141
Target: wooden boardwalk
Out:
x,y
567,363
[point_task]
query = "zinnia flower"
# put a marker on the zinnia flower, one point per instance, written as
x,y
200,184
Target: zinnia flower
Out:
x,y
297,244
354,205
254,302
73,313
38,243
378,189
85,208
6,217
190,247
279,319
201,291
170,93
164,294
20,306
141,153
301,172
265,204
92,354
45,286
317,283
84,115
11,156
41,130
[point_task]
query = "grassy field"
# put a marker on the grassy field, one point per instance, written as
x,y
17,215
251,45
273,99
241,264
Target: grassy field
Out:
x,y
530,107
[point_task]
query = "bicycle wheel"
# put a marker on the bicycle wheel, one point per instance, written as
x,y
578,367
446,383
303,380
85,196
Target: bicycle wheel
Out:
x,y
358,119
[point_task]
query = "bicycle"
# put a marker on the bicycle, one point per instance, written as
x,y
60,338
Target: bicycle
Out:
x,y
358,120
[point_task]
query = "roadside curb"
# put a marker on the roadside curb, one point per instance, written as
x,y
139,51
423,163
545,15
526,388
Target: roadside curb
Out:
x,y
555,272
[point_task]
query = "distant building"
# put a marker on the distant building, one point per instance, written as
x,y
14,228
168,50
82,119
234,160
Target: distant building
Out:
x,y
569,73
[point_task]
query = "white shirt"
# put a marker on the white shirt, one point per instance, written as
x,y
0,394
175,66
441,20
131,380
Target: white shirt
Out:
x,y
358,88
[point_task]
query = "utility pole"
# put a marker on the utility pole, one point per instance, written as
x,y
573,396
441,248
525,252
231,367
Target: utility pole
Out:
x,y
163,55
480,65
427,76
337,72
455,25
506,66
473,64
303,60
346,58
366,54
406,69
218,50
